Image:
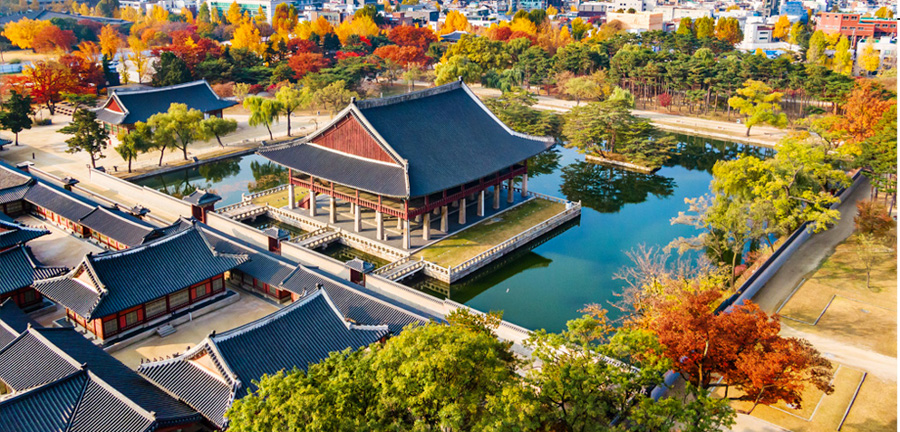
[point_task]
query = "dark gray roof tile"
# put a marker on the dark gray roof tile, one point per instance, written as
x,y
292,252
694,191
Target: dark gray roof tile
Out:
x,y
141,104
120,226
59,201
19,269
13,233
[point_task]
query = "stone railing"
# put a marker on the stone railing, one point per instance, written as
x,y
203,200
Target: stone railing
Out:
x,y
320,241
310,234
514,242
251,212
230,207
292,215
391,266
252,196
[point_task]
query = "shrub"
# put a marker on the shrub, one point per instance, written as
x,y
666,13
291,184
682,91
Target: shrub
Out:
x,y
871,219
41,122
224,89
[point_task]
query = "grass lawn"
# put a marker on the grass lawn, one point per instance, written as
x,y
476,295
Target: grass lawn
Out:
x,y
464,245
865,317
875,408
817,413
279,199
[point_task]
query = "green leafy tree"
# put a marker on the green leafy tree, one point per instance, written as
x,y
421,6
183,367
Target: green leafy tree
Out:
x,y
217,127
759,103
138,140
263,112
455,67
336,95
16,114
88,135
515,110
610,129
818,43
582,88
685,27
290,100
170,70
843,57
704,27
181,123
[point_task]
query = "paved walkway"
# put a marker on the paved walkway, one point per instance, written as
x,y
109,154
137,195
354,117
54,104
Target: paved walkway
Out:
x,y
810,255
730,131
872,362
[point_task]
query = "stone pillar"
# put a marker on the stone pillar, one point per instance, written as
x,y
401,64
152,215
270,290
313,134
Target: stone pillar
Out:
x,y
462,211
406,227
525,185
497,196
480,210
399,223
312,203
509,191
357,221
445,220
379,222
332,210
291,203
426,226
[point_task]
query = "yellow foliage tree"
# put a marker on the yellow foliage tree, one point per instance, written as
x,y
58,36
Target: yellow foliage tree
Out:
x,y
83,9
22,32
131,14
260,16
360,25
551,11
110,41
158,14
234,14
188,15
247,36
138,59
782,28
454,21
88,51
523,24
869,60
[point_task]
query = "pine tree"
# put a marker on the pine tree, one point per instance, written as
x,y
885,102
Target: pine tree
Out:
x,y
16,112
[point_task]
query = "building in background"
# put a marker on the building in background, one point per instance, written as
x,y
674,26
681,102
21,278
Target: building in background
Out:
x,y
639,21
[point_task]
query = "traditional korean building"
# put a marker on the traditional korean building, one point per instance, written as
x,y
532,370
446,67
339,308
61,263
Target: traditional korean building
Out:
x,y
113,294
125,107
117,230
13,322
59,381
405,156
13,233
13,186
19,271
221,369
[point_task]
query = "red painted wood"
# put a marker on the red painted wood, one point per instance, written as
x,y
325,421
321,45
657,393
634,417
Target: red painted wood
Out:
x,y
349,136
113,106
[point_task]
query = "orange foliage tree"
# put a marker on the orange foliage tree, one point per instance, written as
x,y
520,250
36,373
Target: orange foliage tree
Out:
x,y
741,346
401,55
53,39
307,62
110,41
864,108
419,37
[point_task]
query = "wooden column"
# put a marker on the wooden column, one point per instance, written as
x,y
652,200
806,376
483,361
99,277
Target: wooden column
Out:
x,y
509,191
426,226
462,211
525,185
312,201
445,220
480,209
357,222
379,222
497,196
332,210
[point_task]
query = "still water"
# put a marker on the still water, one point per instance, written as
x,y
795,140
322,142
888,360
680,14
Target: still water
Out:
x,y
544,285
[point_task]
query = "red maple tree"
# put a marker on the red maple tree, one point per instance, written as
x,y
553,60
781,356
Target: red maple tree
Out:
x,y
418,37
53,39
307,62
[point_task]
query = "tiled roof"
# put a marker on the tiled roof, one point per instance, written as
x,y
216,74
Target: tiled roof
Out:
x,y
19,269
11,177
138,105
445,136
13,194
122,227
364,174
127,278
13,233
113,397
13,321
303,333
59,201
201,197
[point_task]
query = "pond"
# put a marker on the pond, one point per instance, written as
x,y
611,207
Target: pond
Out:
x,y
229,178
545,285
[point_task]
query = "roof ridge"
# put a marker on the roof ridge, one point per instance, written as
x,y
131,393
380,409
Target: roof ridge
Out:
x,y
145,246
52,346
367,295
349,325
158,89
122,216
149,415
418,94
477,100
253,325
27,392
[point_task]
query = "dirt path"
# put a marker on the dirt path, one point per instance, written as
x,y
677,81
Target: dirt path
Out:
x,y
879,365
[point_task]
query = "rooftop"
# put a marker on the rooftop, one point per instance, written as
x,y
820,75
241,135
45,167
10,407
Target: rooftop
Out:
x,y
129,106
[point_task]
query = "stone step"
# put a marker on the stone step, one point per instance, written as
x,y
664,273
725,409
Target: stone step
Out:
x,y
165,330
